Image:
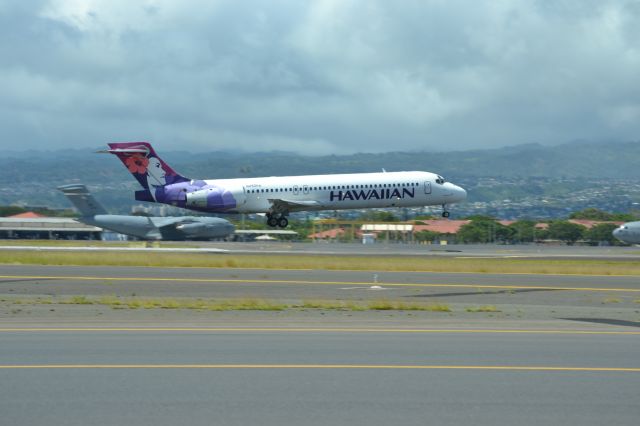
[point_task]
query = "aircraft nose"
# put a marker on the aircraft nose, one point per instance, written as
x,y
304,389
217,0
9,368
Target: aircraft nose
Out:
x,y
453,193
459,194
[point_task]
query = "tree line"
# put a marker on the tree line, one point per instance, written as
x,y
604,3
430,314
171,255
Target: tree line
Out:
x,y
488,230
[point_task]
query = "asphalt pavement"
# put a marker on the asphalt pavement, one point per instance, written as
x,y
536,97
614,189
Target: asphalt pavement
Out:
x,y
604,299
556,349
168,377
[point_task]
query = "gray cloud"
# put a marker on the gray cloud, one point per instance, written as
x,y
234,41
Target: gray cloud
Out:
x,y
332,76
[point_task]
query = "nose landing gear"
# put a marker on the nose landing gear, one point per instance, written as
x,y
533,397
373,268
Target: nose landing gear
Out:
x,y
445,212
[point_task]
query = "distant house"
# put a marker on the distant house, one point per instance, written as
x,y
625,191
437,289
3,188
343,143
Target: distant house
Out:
x,y
397,231
441,226
26,215
329,234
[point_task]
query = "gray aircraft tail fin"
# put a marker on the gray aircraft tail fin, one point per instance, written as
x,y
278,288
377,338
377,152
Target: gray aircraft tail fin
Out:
x,y
80,196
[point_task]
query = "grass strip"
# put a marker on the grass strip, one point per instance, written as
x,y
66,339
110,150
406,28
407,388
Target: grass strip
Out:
x,y
235,304
430,264
485,308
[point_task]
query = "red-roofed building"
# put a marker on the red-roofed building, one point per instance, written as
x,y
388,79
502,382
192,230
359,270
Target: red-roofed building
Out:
x,y
26,215
441,226
328,234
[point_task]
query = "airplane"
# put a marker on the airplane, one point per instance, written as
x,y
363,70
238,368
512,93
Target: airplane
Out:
x,y
628,232
147,228
278,196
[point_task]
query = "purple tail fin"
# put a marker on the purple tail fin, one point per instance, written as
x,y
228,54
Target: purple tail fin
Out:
x,y
163,185
144,164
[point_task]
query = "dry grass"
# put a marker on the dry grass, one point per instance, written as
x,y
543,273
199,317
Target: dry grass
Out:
x,y
430,264
235,304
485,308
385,305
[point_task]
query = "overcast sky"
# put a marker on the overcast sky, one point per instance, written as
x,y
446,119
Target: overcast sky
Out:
x,y
318,77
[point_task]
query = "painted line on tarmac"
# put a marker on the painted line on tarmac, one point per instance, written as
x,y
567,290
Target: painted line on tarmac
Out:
x,y
313,330
320,367
309,282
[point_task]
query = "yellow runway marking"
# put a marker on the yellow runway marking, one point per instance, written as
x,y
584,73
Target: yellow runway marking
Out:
x,y
315,330
310,282
321,367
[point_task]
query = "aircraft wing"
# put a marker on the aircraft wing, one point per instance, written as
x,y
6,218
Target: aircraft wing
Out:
x,y
287,206
163,222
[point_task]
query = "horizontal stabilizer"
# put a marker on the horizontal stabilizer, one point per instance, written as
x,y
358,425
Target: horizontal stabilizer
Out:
x,y
132,150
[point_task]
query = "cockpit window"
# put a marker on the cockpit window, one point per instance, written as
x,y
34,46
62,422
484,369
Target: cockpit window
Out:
x,y
440,180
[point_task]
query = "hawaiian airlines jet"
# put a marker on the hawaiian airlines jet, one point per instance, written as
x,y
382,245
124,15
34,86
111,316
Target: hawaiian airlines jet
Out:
x,y
278,196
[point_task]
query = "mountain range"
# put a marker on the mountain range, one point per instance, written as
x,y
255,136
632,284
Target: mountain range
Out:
x,y
31,177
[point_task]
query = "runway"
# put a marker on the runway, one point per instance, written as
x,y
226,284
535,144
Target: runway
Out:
x,y
317,377
558,349
600,299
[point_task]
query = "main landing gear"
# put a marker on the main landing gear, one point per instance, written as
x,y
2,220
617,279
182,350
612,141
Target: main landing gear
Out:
x,y
280,221
445,212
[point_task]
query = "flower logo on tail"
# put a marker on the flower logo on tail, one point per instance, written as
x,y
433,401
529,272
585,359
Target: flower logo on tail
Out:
x,y
137,163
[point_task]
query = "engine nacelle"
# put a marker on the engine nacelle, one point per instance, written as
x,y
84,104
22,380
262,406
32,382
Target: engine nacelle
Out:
x,y
211,198
197,198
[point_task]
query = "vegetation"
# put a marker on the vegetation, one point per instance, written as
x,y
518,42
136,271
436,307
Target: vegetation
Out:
x,y
236,304
566,231
11,210
602,233
426,236
524,231
408,263
378,216
485,308
595,214
484,229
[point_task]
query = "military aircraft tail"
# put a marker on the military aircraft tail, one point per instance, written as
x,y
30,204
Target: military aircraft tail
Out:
x,y
80,196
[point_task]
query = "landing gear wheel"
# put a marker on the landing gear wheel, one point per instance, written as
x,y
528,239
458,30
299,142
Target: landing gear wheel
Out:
x,y
445,214
272,221
283,222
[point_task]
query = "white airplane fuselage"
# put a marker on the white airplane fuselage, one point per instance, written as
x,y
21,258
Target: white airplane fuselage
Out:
x,y
336,192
